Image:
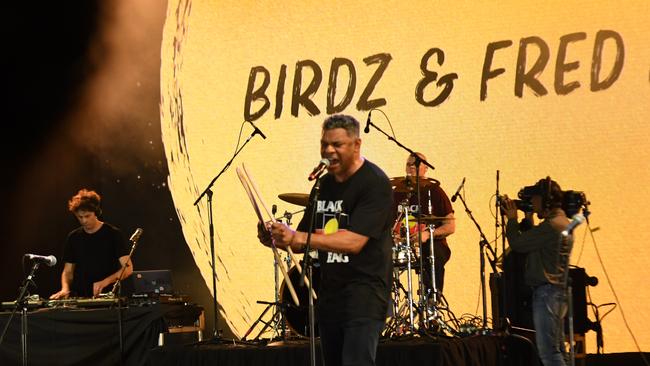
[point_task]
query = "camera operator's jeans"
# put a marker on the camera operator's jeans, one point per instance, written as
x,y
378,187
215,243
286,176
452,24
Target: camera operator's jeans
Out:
x,y
549,309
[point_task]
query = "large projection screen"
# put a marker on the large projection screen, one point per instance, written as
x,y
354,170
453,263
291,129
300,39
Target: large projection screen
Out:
x,y
558,88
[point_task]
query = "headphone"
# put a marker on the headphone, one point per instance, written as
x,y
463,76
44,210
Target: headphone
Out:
x,y
545,189
546,198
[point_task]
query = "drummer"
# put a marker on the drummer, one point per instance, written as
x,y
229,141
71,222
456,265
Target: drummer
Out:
x,y
433,202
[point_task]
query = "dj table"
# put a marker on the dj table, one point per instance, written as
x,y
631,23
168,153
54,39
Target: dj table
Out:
x,y
87,335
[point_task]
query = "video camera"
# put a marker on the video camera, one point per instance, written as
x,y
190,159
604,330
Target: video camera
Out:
x,y
572,201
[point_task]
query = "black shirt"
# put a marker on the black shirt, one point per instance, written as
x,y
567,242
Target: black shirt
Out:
x,y
434,202
355,286
95,256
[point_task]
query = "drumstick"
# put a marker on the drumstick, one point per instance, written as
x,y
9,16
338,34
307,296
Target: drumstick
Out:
x,y
276,255
257,192
259,197
250,196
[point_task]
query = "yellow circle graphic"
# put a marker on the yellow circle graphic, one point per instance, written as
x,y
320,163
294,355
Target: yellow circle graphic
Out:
x,y
331,226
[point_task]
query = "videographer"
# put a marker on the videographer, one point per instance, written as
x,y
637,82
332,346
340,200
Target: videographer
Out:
x,y
547,257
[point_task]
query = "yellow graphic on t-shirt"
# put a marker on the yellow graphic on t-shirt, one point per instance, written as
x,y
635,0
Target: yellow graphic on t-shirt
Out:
x,y
412,222
331,226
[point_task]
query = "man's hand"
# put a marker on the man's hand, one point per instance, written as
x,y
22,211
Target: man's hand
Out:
x,y
98,287
264,234
413,232
63,294
509,208
282,234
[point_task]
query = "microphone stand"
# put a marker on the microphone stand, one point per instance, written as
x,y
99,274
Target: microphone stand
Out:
x,y
391,138
307,272
424,304
483,243
208,192
117,290
22,303
418,161
502,277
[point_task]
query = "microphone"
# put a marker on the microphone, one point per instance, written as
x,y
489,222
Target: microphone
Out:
x,y
136,235
318,170
367,129
257,130
455,196
50,260
576,220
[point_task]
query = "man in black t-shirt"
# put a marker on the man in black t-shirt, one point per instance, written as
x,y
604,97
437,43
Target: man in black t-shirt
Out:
x,y
352,236
94,253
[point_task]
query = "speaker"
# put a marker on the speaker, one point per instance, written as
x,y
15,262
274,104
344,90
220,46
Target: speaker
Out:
x,y
511,297
579,281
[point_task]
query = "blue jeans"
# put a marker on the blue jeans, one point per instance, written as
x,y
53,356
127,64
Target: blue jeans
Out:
x,y
350,343
549,309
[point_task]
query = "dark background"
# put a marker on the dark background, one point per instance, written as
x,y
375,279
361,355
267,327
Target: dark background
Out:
x,y
80,97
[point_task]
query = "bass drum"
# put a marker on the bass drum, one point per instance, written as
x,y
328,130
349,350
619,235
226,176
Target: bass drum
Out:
x,y
297,317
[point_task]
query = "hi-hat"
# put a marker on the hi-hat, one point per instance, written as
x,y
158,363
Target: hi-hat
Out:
x,y
300,199
428,219
407,184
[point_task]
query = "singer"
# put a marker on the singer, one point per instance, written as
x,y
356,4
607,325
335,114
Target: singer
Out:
x,y
433,202
547,260
94,253
352,236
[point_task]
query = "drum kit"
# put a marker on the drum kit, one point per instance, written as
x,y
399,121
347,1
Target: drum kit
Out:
x,y
409,259
407,314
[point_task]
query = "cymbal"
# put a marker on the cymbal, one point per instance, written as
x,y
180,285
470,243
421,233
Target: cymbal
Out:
x,y
428,219
300,199
406,184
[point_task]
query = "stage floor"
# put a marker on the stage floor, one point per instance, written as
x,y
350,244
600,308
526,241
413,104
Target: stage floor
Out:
x,y
411,350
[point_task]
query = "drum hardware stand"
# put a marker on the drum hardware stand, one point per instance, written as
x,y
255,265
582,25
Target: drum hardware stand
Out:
x,y
394,326
423,296
399,320
216,336
22,303
409,276
399,324
278,319
431,294
402,310
483,243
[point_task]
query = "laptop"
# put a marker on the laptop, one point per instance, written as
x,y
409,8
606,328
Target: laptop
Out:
x,y
153,282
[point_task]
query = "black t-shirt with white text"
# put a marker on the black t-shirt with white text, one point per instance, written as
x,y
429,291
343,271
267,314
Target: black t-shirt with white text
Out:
x,y
355,286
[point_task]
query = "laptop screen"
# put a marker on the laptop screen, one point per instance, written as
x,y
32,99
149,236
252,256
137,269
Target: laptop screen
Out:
x,y
152,282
